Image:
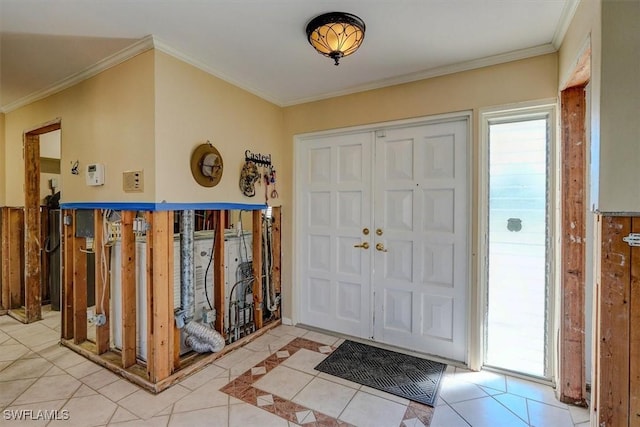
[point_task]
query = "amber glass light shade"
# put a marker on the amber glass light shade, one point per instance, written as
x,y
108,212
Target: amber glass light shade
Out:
x,y
336,34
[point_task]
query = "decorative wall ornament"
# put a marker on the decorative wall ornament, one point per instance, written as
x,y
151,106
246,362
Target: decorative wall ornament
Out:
x,y
206,165
248,178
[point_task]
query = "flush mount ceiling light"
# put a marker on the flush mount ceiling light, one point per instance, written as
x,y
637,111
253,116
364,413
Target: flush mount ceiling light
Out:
x,y
336,34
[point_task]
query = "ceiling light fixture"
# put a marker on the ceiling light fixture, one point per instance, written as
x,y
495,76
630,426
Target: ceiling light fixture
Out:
x,y
336,34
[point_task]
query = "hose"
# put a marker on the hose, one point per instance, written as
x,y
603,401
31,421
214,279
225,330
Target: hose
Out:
x,y
203,339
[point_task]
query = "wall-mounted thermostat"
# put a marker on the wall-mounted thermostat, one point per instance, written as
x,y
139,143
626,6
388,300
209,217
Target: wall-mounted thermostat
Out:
x,y
95,174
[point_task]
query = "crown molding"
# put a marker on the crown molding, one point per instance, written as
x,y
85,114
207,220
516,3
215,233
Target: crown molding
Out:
x,y
568,12
140,46
434,72
169,50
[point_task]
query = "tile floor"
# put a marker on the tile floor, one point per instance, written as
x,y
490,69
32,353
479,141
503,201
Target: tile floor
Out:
x,y
275,373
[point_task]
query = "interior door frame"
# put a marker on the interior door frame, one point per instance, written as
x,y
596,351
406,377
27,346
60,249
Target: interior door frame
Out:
x,y
514,111
32,221
299,140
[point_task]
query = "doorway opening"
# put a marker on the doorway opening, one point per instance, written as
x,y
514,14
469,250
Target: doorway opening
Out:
x,y
518,304
33,166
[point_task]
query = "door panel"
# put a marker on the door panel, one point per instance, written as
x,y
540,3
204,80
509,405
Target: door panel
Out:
x,y
409,188
336,183
421,185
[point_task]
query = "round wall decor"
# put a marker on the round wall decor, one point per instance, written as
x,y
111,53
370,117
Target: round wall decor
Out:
x,y
206,165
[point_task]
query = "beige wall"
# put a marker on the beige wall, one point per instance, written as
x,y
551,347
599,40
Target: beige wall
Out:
x,y
518,81
193,107
107,118
3,157
613,30
620,107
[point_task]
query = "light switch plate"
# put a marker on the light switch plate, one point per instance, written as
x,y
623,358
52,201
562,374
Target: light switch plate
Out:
x,y
133,181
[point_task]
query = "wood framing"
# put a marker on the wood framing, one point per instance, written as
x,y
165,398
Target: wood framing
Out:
x,y
218,270
277,251
66,288
257,267
572,383
164,366
163,320
101,281
634,333
15,258
5,260
44,259
149,218
4,289
613,330
32,303
128,288
79,286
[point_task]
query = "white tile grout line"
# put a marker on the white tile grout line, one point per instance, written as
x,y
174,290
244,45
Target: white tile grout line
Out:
x,y
314,376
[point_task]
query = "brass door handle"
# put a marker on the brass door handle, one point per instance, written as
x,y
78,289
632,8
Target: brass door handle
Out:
x,y
363,245
380,247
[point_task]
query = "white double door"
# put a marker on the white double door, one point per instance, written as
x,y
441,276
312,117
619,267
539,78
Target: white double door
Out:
x,y
383,235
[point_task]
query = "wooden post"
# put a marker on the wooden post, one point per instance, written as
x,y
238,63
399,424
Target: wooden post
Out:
x,y
613,327
45,292
218,271
67,274
101,281
634,334
128,291
79,287
5,298
257,267
572,384
149,218
16,258
33,298
277,252
163,318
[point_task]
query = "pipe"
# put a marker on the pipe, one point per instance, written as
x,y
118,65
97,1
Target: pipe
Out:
x,y
199,336
187,269
203,339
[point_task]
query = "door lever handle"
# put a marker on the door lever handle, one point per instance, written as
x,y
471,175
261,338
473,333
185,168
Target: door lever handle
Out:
x,y
363,245
380,247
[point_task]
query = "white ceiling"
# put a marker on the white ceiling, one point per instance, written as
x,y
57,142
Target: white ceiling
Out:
x,y
261,45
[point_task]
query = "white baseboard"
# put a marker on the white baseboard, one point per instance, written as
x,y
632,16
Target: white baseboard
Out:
x,y
287,321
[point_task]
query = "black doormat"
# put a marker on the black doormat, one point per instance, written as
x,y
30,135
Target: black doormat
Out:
x,y
405,376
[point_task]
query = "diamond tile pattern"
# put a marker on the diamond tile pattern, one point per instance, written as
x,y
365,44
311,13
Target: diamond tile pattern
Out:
x,y
38,374
406,376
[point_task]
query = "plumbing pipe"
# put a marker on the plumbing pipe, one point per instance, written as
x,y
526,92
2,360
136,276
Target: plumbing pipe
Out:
x,y
187,269
203,339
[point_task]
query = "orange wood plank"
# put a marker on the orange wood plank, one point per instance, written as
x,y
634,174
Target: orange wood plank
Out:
x,y
149,217
257,267
218,271
163,324
33,297
572,382
67,276
102,285
613,300
128,292
79,287
634,334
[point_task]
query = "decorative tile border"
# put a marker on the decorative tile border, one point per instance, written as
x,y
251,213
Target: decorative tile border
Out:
x,y
242,388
